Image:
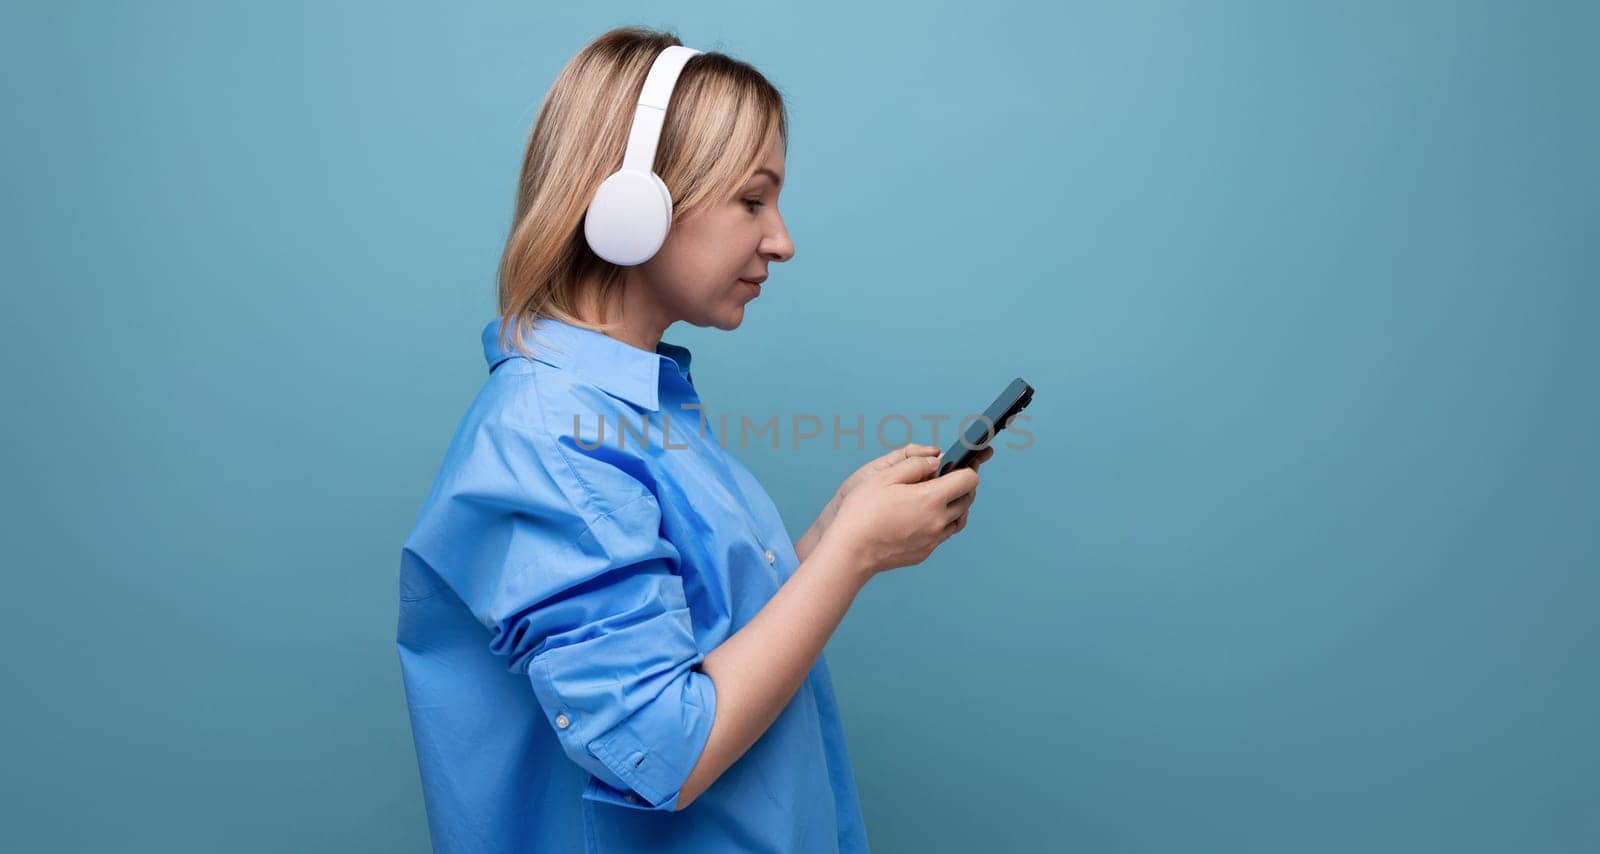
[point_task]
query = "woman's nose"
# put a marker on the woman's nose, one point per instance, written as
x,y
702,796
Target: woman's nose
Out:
x,y
779,246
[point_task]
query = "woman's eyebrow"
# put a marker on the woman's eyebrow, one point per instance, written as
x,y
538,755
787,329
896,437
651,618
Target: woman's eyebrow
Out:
x,y
776,178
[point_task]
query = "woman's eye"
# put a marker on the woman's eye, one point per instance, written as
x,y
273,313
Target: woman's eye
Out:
x,y
755,202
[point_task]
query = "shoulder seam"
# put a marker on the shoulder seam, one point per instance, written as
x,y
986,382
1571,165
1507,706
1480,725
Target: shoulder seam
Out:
x,y
544,422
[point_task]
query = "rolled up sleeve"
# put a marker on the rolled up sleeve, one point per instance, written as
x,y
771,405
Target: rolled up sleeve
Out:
x,y
610,652
561,556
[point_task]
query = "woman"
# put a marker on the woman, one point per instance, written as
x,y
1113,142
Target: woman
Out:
x,y
607,639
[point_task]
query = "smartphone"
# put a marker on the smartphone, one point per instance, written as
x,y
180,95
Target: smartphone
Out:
x,y
982,431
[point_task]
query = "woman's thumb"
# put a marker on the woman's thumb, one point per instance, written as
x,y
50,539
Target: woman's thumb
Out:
x,y
912,469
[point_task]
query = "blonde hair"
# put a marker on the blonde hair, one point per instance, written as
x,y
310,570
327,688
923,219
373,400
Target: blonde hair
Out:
x,y
722,116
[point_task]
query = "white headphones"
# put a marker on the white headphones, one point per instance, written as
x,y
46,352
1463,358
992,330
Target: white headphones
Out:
x,y
630,214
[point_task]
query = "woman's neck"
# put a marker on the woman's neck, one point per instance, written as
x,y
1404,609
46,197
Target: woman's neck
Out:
x,y
639,320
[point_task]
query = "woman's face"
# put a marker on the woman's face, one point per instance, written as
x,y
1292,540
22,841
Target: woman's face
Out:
x,y
697,275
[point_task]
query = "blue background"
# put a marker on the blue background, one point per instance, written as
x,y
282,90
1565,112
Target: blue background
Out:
x,y
1302,556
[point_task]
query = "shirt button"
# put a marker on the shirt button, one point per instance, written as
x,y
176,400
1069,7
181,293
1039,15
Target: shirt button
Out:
x,y
630,799
770,556
561,721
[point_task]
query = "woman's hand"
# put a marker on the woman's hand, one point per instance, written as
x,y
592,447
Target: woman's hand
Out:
x,y
898,515
813,535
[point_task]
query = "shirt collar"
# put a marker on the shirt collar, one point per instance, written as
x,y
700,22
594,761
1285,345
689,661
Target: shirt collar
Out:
x,y
614,366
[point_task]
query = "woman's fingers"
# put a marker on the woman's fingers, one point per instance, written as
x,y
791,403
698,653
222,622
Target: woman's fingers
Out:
x,y
902,453
910,469
954,483
982,457
914,451
954,526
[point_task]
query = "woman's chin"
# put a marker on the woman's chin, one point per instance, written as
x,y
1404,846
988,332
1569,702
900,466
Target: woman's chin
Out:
x,y
730,320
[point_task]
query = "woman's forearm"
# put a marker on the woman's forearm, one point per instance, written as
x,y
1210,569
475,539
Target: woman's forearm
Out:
x,y
808,540
758,668
813,535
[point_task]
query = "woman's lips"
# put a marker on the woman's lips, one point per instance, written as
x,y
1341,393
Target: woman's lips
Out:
x,y
754,287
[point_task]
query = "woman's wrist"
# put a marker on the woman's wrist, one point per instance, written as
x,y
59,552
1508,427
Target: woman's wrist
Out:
x,y
837,556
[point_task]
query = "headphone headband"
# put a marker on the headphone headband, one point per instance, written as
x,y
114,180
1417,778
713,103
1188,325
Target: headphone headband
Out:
x,y
645,133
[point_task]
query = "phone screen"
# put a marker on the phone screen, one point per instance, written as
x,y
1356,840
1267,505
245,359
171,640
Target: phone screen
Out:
x,y
982,431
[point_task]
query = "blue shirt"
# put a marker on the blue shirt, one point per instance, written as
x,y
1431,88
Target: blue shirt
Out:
x,y
558,591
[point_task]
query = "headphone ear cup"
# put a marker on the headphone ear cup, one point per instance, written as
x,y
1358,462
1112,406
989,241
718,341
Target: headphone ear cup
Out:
x,y
666,199
628,219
